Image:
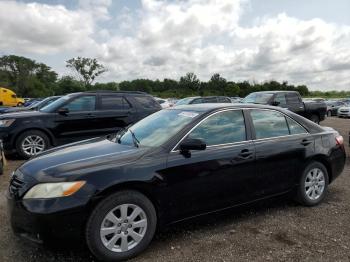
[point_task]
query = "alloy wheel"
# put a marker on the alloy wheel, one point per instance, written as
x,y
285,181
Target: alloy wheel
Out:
x,y
33,145
314,183
123,228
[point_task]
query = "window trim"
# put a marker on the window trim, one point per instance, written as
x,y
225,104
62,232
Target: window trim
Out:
x,y
214,113
268,138
250,129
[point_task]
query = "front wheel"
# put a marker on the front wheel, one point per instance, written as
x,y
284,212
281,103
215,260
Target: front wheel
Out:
x,y
313,184
31,143
121,226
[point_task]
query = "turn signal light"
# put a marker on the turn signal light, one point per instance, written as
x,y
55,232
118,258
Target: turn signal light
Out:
x,y
340,140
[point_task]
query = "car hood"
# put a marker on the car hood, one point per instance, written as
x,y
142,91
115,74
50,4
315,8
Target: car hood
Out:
x,y
21,114
75,158
344,108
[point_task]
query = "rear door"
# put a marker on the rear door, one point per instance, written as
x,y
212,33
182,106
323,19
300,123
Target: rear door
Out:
x,y
114,113
281,146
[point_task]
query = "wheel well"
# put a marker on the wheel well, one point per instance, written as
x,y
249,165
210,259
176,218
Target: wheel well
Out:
x,y
323,160
51,139
140,187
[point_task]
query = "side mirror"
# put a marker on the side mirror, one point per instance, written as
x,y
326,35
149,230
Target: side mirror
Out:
x,y
275,103
192,144
63,111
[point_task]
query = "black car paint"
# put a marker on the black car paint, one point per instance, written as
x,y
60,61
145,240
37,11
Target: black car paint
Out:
x,y
74,126
180,186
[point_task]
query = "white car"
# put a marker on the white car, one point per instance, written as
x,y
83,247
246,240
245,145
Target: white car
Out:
x,y
164,103
344,111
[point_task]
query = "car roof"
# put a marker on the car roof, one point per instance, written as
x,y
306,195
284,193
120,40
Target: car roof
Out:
x,y
277,91
207,107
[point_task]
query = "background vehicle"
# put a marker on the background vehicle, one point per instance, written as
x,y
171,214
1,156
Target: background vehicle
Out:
x,y
236,99
37,105
72,118
344,111
2,158
315,111
203,100
9,98
164,103
208,158
333,106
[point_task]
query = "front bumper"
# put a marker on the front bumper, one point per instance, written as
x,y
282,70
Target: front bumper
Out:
x,y
343,114
34,219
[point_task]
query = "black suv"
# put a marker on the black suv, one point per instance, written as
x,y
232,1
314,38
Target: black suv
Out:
x,y
72,118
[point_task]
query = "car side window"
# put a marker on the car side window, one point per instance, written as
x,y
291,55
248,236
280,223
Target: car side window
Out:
x,y
82,103
147,102
221,128
210,100
294,127
114,103
269,124
281,98
197,101
223,100
293,98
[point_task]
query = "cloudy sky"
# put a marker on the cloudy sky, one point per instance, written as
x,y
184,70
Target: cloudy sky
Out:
x,y
302,42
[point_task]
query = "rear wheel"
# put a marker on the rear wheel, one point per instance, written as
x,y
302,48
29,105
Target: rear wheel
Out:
x,y
31,143
315,119
121,226
313,184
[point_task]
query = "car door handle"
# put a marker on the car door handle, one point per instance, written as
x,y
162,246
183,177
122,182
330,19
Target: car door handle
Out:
x,y
245,153
91,115
305,142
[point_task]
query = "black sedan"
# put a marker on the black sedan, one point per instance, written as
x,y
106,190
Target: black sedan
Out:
x,y
172,165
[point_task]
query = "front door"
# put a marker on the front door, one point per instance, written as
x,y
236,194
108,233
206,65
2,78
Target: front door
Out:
x,y
79,122
220,176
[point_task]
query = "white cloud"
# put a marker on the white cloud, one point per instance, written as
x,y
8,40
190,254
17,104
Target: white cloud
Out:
x,y
169,38
40,28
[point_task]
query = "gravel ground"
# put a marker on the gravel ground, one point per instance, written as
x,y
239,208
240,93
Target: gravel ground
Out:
x,y
274,230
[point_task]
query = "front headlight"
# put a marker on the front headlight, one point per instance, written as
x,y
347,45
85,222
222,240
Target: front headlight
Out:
x,y
6,122
52,190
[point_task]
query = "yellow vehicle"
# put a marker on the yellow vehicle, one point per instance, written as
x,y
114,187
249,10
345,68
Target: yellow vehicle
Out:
x,y
9,98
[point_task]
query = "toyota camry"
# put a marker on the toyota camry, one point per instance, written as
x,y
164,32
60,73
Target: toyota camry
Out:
x,y
172,165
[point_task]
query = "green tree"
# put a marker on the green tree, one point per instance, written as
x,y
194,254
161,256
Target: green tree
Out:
x,y
68,84
86,68
189,81
218,83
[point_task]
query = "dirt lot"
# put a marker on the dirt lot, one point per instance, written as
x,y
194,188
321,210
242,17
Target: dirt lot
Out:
x,y
275,230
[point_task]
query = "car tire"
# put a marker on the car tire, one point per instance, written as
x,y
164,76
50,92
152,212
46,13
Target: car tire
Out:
x,y
313,184
315,119
20,104
39,139
102,245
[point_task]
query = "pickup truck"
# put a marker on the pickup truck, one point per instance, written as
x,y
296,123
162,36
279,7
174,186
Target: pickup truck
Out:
x,y
315,111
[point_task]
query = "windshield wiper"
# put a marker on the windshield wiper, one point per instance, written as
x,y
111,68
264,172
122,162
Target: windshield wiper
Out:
x,y
135,140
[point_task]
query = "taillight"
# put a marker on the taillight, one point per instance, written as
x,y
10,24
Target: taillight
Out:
x,y
340,140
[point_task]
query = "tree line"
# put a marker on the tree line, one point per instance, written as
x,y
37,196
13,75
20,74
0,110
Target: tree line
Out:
x,y
29,78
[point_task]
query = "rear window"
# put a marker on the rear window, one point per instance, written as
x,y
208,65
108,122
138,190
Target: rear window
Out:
x,y
147,102
114,103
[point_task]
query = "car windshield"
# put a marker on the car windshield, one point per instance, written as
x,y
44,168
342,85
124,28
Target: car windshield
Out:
x,y
184,101
157,128
257,98
54,105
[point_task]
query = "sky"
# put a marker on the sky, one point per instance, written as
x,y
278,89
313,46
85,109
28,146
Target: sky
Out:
x,y
299,41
